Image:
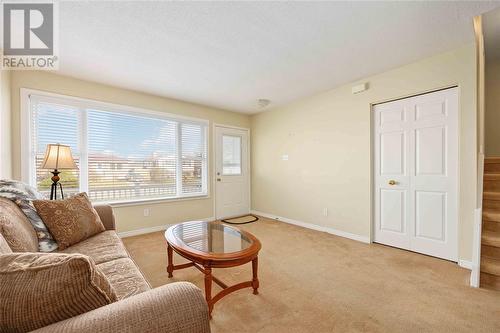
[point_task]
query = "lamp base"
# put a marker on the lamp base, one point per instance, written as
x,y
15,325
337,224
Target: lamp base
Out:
x,y
55,182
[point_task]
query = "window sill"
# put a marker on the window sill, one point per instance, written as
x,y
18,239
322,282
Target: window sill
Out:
x,y
140,202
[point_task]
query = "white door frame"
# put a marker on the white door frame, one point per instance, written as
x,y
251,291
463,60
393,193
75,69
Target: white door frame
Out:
x,y
372,162
214,161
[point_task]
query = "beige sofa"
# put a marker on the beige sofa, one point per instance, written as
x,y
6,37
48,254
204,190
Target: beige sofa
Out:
x,y
176,307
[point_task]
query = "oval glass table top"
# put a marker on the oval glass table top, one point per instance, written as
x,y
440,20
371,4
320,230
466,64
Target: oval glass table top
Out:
x,y
211,237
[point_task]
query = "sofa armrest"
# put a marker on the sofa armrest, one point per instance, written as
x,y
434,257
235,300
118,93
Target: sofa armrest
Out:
x,y
107,216
177,307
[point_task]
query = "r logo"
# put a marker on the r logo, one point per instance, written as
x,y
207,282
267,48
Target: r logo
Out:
x,y
28,29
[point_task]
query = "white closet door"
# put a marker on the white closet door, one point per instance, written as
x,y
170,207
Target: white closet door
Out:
x,y
392,181
416,173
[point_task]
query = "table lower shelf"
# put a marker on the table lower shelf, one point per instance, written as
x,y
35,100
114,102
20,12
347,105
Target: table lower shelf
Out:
x,y
207,271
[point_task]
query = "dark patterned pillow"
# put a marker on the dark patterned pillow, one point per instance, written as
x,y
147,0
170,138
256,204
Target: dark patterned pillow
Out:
x,y
23,195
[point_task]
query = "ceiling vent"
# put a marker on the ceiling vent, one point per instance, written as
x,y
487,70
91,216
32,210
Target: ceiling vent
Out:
x,y
262,103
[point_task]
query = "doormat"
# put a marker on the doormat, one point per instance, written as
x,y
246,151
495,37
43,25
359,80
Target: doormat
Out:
x,y
249,218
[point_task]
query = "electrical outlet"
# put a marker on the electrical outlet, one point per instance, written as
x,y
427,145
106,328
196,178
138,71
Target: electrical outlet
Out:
x,y
146,212
325,211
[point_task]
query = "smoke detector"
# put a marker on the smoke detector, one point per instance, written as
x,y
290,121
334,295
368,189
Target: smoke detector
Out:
x,y
262,103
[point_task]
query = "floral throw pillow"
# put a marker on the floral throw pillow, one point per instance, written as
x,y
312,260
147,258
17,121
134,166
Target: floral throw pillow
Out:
x,y
70,221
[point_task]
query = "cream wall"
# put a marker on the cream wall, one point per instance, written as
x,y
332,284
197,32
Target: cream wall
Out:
x,y
5,124
492,116
128,217
328,141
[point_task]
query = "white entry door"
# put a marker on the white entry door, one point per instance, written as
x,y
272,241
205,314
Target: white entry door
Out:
x,y
232,176
416,173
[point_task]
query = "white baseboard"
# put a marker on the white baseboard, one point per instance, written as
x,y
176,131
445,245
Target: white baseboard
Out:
x,y
143,231
148,230
462,263
465,264
332,231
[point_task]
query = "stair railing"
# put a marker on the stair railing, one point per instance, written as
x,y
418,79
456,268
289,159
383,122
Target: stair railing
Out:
x,y
478,223
478,212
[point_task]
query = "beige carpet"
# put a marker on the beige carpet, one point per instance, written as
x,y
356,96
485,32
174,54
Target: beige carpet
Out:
x,y
316,282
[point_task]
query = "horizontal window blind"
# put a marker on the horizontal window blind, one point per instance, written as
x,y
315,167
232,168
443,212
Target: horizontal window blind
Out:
x,y
193,157
122,156
55,123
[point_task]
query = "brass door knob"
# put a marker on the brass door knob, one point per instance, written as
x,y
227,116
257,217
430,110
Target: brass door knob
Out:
x,y
392,182
218,179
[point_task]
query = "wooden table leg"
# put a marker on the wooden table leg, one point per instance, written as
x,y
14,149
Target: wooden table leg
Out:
x,y
255,279
170,266
208,288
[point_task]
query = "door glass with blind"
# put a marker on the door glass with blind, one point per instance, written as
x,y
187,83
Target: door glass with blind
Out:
x,y
231,155
122,156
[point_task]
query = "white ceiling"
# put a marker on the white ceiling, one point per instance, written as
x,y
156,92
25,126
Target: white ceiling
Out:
x,y
229,54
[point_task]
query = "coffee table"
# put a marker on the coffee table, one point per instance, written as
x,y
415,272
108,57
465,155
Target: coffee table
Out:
x,y
210,245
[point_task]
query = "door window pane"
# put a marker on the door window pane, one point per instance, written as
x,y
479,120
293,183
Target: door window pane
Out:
x,y
231,155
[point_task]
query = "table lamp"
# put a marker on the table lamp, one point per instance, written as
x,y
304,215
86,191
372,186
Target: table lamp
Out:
x,y
57,157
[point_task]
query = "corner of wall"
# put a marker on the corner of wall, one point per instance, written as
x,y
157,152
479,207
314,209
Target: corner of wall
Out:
x,y
5,125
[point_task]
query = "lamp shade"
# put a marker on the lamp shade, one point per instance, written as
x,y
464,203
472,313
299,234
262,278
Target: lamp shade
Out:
x,y
58,157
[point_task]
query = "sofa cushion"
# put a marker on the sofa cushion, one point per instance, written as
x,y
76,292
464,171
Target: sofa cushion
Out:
x,y
71,220
38,289
103,247
124,276
23,195
16,229
4,246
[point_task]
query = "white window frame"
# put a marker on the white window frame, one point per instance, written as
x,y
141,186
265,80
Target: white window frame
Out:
x,y
28,174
